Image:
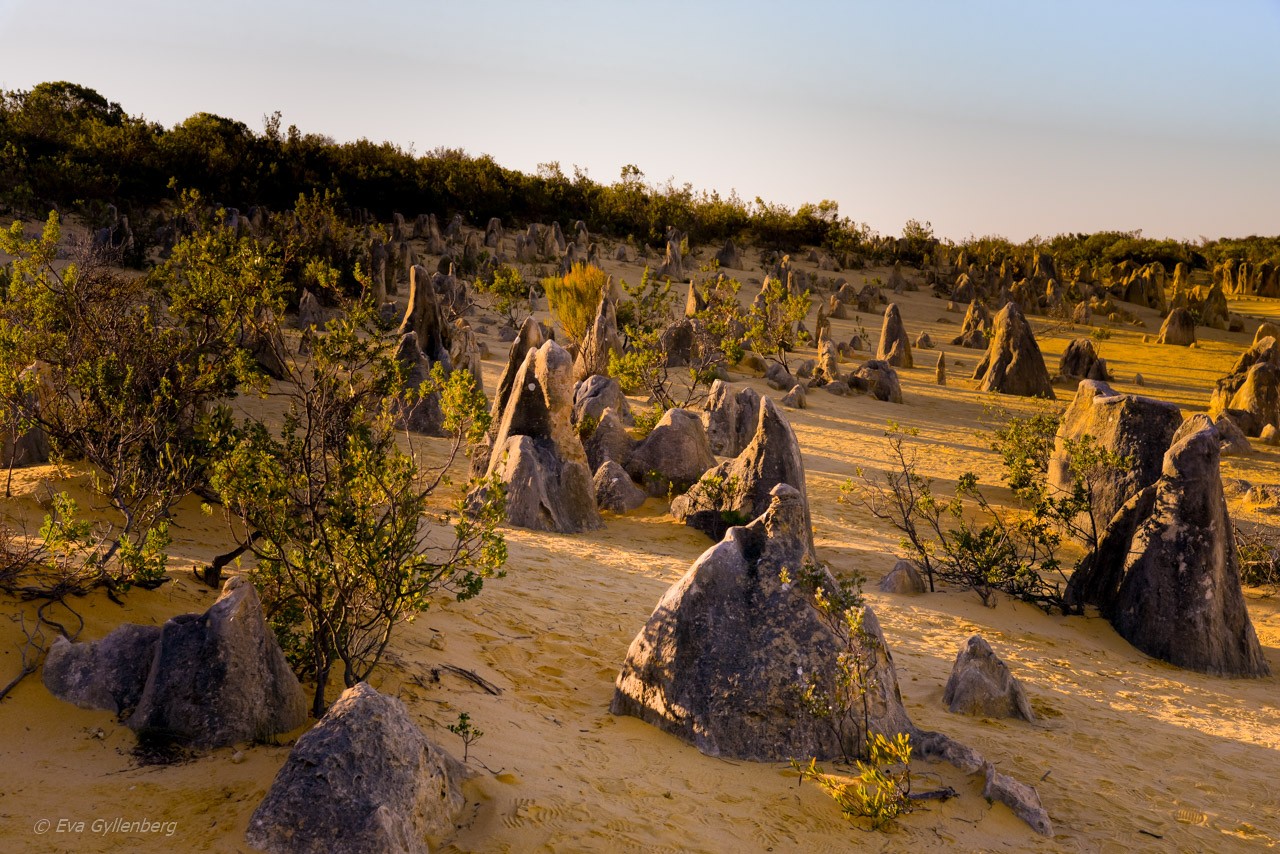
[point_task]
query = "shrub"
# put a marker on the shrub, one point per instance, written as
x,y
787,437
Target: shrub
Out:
x,y
772,319
574,298
508,293
882,790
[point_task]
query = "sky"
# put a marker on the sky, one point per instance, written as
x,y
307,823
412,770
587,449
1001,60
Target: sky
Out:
x,y
981,117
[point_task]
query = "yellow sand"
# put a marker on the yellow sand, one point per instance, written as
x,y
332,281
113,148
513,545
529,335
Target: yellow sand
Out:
x,y
1128,753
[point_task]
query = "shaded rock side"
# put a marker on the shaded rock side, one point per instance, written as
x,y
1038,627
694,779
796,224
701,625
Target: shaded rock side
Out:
x,y
219,677
1166,572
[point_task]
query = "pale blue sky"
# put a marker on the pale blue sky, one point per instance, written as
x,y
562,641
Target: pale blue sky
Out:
x,y
1000,116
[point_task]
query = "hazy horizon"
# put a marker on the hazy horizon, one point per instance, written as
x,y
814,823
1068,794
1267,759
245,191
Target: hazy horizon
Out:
x,y
994,117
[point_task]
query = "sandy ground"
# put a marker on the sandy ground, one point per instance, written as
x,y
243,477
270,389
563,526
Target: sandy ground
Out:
x,y
1128,753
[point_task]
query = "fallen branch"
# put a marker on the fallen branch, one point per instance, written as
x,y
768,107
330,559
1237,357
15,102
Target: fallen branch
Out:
x,y
472,677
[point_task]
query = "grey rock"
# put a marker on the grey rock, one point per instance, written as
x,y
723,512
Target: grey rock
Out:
x,y
903,578
894,347
107,674
1013,363
363,779
595,394
615,491
674,456
1017,796
880,380
219,677
982,685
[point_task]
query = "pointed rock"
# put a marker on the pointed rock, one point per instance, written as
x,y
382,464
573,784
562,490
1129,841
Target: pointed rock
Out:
x,y
981,685
1013,364
364,778
895,347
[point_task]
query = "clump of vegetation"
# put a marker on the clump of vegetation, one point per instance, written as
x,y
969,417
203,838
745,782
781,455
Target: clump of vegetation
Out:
x,y
968,541
332,509
881,791
508,294
574,298
466,731
772,319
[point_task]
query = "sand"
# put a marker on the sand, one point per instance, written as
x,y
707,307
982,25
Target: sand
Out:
x,y
1128,753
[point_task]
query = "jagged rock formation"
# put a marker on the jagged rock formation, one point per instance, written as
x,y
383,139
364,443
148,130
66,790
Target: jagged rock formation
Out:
x,y
1013,364
1179,328
205,680
1138,428
595,394
601,341
1166,574
894,347
424,316
973,330
1080,361
363,779
903,578
609,441
537,452
615,491
730,649
877,379
730,418
418,414
982,685
737,491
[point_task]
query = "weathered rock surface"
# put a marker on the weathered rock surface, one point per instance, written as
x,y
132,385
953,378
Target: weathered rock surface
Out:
x,y
537,452
609,441
1139,428
729,417
106,674
595,394
1166,573
739,490
363,779
220,677
879,380
601,341
1179,329
903,578
1080,361
674,456
615,491
973,330
1013,363
895,346
982,685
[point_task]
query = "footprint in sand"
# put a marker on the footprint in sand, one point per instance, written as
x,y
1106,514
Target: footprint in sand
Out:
x,y
1190,816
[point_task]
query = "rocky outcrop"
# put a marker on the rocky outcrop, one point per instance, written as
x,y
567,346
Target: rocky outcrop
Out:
x,y
1139,429
204,680
1013,364
724,658
877,379
731,649
615,491
1080,361
1250,394
537,453
739,490
895,346
107,674
1166,574
609,441
674,456
601,341
595,394
730,417
414,411
903,578
363,779
1179,329
982,685
425,316
973,331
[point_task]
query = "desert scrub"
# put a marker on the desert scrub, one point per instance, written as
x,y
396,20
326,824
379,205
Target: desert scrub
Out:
x,y
574,297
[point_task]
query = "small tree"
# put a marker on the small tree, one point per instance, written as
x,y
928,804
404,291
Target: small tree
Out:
x,y
772,319
333,509
574,298
508,294
133,371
